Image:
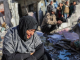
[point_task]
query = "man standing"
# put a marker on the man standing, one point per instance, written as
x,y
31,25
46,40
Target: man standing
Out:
x,y
50,7
66,10
74,6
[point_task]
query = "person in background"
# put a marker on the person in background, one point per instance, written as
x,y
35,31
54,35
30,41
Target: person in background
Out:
x,y
63,6
71,9
74,6
50,7
59,11
49,23
66,10
23,43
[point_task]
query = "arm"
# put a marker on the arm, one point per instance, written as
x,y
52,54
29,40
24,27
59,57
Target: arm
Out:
x,y
47,8
9,51
63,9
39,47
74,9
39,51
15,56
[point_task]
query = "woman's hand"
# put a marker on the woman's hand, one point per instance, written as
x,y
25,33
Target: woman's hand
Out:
x,y
32,53
59,22
68,15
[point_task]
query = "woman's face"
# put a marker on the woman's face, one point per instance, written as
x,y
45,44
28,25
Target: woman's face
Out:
x,y
60,4
53,12
30,33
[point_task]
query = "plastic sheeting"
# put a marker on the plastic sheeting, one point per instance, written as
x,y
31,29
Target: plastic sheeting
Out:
x,y
71,36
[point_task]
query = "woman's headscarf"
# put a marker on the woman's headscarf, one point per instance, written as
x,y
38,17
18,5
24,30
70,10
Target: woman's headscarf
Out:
x,y
26,23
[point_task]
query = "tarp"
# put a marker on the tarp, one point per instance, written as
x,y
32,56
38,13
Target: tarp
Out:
x,y
71,36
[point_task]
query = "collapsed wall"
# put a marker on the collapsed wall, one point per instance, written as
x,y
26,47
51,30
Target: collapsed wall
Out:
x,y
71,21
11,8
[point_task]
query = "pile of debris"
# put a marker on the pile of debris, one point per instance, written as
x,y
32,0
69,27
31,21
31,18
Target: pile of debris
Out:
x,y
58,45
3,31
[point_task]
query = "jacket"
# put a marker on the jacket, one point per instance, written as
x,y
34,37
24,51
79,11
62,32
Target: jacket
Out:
x,y
49,8
14,48
49,19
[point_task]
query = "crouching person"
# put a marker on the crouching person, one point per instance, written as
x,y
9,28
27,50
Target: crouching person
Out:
x,y
22,42
49,22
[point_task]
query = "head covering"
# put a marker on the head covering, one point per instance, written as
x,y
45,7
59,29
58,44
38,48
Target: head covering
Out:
x,y
26,23
53,10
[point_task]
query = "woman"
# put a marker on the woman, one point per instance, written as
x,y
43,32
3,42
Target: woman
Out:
x,y
22,42
59,10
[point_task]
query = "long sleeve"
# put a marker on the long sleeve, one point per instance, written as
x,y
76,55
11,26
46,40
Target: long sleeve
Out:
x,y
39,47
9,51
15,56
39,51
49,8
63,9
74,9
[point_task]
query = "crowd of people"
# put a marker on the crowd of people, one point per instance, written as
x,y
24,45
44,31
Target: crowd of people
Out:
x,y
57,15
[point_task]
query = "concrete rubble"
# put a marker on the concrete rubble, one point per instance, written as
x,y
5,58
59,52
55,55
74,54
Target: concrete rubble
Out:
x,y
57,48
2,34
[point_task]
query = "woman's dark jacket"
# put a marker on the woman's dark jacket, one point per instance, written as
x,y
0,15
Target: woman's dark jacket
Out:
x,y
14,48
